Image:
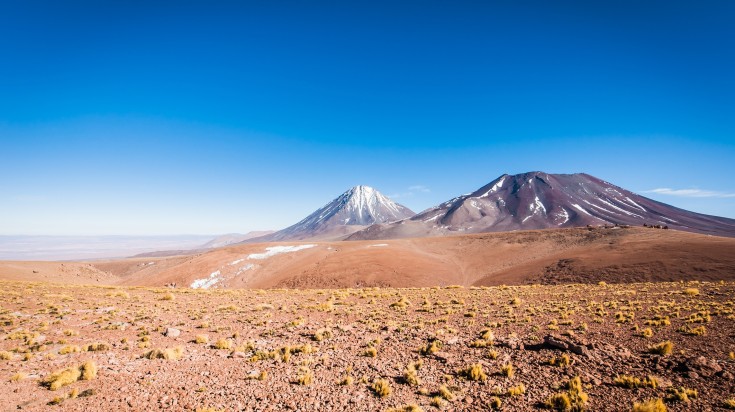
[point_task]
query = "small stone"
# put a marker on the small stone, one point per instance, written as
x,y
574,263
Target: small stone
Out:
x,y
172,333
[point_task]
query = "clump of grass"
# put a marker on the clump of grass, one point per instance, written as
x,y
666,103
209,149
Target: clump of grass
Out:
x,y
519,389
89,370
562,361
495,403
322,334
410,375
631,382
698,331
370,352
492,354
681,394
437,402
168,296
474,373
381,388
691,291
347,380
168,353
445,393
201,339
574,399
69,349
647,333
431,348
651,405
305,376
71,332
96,347
18,377
507,370
64,377
5,355
663,348
223,344
729,403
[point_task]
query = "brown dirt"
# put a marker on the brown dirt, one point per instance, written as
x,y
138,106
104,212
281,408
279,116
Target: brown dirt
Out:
x,y
542,256
598,326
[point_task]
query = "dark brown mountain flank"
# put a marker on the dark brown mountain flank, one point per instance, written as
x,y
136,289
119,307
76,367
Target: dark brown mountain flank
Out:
x,y
538,200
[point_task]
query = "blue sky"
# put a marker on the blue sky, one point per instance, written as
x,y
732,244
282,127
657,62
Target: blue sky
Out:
x,y
212,117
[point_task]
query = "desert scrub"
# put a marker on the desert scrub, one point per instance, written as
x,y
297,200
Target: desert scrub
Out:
x,y
305,376
5,355
370,352
96,347
663,348
431,348
223,344
168,296
168,353
201,339
630,382
495,403
519,389
562,361
410,375
574,399
691,291
381,388
474,373
18,377
729,403
322,334
507,370
445,393
64,377
651,405
681,395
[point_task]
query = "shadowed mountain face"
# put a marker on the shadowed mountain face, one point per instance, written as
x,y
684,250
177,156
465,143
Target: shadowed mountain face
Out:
x,y
353,210
538,200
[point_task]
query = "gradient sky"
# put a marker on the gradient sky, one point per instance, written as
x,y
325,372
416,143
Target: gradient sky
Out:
x,y
126,117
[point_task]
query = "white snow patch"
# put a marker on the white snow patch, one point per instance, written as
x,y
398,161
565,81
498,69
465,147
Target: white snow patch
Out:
x,y
536,206
495,187
620,209
635,204
565,215
379,245
526,218
276,250
578,207
206,283
235,262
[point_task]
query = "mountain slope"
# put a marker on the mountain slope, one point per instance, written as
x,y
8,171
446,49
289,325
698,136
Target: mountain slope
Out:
x,y
538,200
351,211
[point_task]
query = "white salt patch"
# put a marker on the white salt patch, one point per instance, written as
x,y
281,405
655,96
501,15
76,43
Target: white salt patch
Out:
x,y
235,262
379,245
275,250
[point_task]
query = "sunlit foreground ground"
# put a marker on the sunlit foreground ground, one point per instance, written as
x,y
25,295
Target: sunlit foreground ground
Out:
x,y
663,346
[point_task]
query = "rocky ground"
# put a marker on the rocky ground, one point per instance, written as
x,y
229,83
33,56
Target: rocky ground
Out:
x,y
511,348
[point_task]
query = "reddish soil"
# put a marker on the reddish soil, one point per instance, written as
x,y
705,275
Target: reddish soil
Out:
x,y
602,329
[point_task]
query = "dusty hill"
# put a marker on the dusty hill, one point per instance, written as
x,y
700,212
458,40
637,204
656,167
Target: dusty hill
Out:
x,y
538,200
544,256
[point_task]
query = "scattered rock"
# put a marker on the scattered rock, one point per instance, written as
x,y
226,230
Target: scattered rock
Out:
x,y
172,333
699,366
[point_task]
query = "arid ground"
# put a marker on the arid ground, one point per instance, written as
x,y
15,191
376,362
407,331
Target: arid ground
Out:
x,y
93,348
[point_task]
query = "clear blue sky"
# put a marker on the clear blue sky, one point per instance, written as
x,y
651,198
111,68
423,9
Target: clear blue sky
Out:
x,y
125,117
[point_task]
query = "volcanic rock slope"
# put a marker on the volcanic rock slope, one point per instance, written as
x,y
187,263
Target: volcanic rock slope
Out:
x,y
351,211
538,200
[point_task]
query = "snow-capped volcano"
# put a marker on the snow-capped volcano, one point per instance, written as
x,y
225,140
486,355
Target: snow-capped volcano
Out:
x,y
538,200
351,211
